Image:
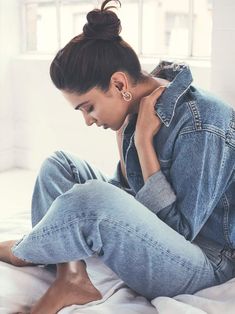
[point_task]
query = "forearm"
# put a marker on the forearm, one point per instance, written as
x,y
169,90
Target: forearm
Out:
x,y
156,194
147,157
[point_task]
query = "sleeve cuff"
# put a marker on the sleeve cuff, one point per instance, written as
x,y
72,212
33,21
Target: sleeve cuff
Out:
x,y
156,193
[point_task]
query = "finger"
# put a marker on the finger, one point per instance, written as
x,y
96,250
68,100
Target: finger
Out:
x,y
157,92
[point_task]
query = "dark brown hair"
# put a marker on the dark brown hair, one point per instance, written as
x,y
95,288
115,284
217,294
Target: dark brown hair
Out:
x,y
90,59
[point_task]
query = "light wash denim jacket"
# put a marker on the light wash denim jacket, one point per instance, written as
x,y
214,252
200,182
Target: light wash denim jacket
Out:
x,y
194,192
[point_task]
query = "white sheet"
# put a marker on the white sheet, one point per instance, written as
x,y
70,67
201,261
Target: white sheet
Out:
x,y
21,287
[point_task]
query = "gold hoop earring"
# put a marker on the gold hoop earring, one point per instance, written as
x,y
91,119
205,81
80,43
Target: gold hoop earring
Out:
x,y
127,96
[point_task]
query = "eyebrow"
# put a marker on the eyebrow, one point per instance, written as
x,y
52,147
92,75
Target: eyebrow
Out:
x,y
79,105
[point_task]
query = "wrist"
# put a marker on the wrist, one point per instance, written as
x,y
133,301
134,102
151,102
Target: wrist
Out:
x,y
143,140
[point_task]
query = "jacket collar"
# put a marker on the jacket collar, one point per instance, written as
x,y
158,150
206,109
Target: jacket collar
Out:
x,y
180,78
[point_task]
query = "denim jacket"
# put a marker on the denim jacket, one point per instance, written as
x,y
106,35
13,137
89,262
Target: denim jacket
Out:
x,y
194,192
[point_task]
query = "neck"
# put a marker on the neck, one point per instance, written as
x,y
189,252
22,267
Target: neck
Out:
x,y
143,89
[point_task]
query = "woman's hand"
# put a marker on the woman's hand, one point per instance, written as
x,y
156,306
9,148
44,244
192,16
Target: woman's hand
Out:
x,y
148,123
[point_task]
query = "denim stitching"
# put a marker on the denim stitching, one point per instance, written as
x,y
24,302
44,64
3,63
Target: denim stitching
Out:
x,y
196,115
168,121
75,172
126,228
151,243
72,167
230,133
208,129
226,219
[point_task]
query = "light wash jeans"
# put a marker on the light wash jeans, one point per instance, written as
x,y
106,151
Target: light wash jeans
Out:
x,y
76,214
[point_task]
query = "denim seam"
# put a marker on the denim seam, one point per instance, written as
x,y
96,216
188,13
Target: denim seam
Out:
x,y
72,167
186,131
75,172
196,115
217,265
149,242
229,136
222,165
127,150
122,141
232,123
225,219
167,120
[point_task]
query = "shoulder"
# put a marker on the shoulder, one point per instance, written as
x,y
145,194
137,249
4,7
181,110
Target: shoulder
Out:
x,y
199,110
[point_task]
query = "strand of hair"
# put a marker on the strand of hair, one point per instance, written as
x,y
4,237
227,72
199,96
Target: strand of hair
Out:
x,y
104,8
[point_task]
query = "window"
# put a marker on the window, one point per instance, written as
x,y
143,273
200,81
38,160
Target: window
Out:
x,y
179,28
40,26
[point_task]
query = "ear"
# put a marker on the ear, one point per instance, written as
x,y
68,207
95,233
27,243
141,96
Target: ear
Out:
x,y
119,81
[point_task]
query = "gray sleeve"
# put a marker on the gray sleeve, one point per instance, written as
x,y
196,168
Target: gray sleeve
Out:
x,y
156,193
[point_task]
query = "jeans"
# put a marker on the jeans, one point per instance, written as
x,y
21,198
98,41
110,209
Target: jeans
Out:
x,y
77,213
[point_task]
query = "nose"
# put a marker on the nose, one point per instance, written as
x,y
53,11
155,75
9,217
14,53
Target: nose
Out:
x,y
89,120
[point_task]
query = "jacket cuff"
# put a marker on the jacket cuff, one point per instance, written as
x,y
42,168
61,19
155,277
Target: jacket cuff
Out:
x,y
156,193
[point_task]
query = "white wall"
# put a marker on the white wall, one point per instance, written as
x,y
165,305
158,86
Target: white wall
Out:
x,y
9,28
223,50
44,122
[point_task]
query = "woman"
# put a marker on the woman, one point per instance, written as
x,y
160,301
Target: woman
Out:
x,y
165,223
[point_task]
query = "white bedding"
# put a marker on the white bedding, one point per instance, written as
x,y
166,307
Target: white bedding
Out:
x,y
21,287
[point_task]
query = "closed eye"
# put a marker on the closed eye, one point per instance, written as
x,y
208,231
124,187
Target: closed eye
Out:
x,y
86,108
89,109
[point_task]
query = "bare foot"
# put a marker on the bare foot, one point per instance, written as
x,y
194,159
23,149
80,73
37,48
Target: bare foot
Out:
x,y
65,292
7,256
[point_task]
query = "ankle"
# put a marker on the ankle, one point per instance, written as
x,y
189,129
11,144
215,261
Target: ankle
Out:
x,y
72,269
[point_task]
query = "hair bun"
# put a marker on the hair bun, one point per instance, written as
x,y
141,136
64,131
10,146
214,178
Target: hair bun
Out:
x,y
102,24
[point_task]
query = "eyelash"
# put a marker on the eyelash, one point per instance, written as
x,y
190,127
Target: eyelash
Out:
x,y
90,109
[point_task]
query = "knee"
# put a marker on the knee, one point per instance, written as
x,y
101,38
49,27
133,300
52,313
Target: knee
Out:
x,y
59,164
97,191
94,197
50,165
93,191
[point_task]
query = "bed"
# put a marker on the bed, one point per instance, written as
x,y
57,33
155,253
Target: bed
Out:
x,y
21,287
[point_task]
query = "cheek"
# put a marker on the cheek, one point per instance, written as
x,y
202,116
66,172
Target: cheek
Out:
x,y
119,109
112,112
117,116
122,113
119,121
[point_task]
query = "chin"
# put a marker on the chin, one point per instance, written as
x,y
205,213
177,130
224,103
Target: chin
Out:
x,y
113,127
117,127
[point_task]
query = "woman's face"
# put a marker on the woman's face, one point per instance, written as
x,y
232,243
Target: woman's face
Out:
x,y
108,110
